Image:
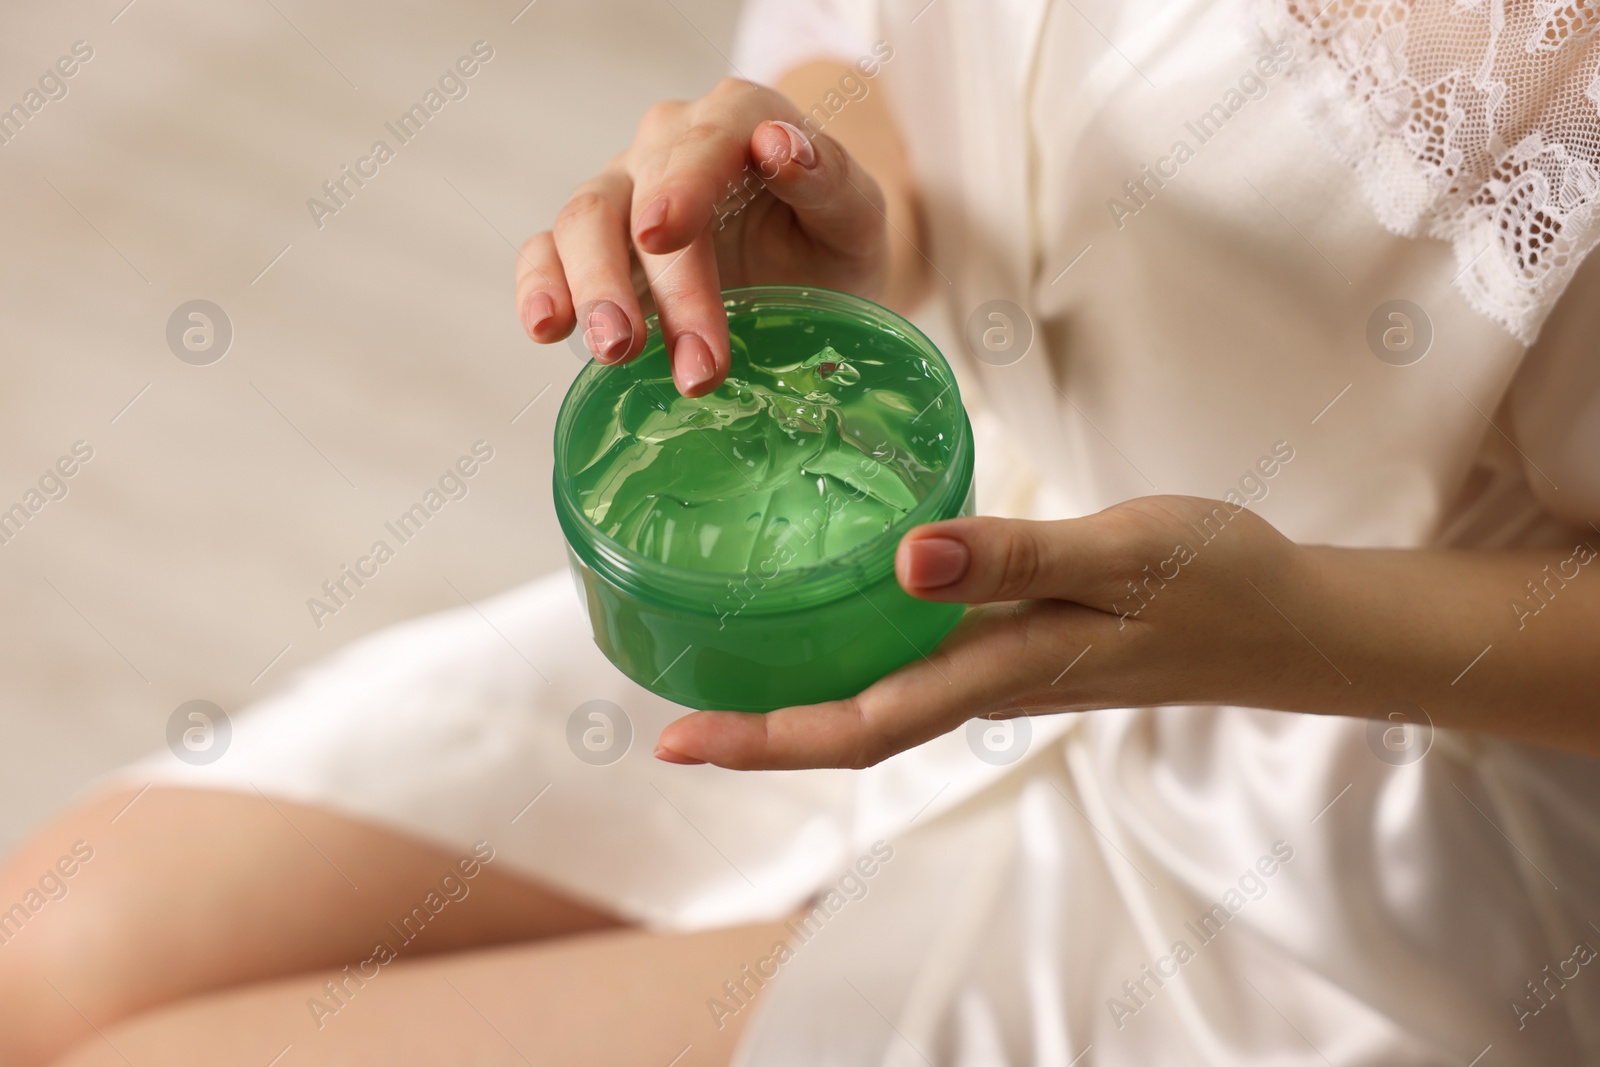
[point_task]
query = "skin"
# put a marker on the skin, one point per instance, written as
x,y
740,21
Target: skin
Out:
x,y
1256,620
205,920
619,997
1253,619
824,220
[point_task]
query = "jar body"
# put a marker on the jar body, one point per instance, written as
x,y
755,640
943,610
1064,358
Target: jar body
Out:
x,y
733,658
768,632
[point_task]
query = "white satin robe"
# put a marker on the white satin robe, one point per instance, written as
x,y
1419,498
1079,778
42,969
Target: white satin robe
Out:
x,y
1333,907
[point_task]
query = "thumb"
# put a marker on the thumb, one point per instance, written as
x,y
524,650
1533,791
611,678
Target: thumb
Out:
x,y
833,198
980,560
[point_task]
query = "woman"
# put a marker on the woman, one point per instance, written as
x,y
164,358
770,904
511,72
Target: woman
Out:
x,y
1171,286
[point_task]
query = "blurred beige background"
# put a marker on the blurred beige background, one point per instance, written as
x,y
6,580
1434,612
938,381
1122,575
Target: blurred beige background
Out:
x,y
366,358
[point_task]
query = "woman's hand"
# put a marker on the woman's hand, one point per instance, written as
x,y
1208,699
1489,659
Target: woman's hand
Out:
x,y
1155,601
726,190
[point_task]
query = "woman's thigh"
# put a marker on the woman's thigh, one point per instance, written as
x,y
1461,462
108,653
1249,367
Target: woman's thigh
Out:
x,y
186,891
613,997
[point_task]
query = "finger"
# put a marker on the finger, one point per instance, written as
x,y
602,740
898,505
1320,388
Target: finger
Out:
x,y
836,202
706,163
591,236
544,304
694,325
979,560
997,659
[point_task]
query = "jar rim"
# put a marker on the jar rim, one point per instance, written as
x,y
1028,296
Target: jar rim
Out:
x,y
789,588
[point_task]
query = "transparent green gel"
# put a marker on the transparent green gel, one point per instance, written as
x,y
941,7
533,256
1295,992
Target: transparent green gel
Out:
x,y
736,550
812,450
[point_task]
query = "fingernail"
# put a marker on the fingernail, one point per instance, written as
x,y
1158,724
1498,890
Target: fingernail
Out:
x,y
800,149
537,311
651,218
935,562
666,755
607,332
692,364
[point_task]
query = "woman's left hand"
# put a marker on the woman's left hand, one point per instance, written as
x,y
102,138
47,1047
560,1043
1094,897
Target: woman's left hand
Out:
x,y
1159,600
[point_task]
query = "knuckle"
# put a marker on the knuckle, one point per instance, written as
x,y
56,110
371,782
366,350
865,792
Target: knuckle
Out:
x,y
703,133
1019,565
867,748
534,248
586,203
662,113
730,85
537,265
1126,561
1139,525
678,293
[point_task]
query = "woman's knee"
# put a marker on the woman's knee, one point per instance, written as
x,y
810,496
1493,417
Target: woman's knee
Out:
x,y
63,938
135,900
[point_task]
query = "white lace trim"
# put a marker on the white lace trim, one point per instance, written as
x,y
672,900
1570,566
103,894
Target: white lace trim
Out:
x,y
1473,121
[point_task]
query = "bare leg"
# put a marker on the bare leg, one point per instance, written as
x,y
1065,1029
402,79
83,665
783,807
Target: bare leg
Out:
x,y
618,997
190,891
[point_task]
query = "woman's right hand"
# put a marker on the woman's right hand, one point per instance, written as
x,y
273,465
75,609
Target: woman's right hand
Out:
x,y
722,191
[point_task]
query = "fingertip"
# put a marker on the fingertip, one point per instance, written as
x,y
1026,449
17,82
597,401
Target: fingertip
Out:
x,y
548,333
695,368
928,564
608,332
668,755
777,143
649,229
537,311
707,737
635,348
668,223
545,319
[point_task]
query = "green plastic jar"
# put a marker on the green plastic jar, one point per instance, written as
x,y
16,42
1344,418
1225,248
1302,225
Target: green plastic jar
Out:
x,y
736,551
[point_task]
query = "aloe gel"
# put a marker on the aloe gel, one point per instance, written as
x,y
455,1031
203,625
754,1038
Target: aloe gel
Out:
x,y
736,550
